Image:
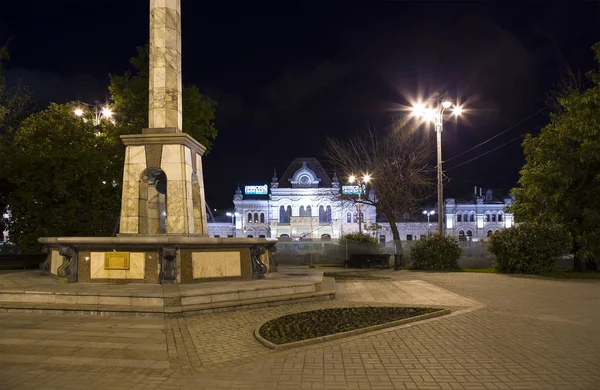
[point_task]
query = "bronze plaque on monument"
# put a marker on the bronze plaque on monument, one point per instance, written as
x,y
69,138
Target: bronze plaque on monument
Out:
x,y
116,260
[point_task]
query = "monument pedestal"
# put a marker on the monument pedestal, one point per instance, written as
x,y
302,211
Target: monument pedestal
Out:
x,y
158,258
163,190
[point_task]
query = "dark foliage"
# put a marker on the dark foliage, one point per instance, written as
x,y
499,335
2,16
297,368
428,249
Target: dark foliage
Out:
x,y
530,248
318,323
435,252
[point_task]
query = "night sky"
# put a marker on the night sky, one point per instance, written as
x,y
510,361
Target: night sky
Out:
x,y
288,74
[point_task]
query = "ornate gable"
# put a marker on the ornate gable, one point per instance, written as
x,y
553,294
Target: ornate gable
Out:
x,y
304,178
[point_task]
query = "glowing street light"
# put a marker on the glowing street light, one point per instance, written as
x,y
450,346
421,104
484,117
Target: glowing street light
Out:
x,y
232,215
104,112
428,214
366,179
435,113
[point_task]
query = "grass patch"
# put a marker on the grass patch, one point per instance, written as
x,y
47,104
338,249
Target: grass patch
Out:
x,y
318,323
557,273
480,270
566,273
411,268
353,276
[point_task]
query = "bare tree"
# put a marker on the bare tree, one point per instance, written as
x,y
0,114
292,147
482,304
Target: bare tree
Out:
x,y
399,162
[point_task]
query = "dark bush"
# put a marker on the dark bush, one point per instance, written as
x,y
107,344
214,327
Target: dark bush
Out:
x,y
435,251
360,238
351,244
529,248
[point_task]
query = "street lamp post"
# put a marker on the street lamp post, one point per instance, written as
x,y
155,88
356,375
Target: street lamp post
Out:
x,y
428,214
435,113
366,179
232,215
105,112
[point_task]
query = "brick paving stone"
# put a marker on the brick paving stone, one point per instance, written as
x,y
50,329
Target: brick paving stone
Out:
x,y
506,333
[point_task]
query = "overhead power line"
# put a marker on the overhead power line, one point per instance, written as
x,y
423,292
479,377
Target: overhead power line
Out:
x,y
497,135
488,152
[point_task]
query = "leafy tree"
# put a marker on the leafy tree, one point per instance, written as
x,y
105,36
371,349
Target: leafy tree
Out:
x,y
64,177
399,163
16,104
129,93
560,180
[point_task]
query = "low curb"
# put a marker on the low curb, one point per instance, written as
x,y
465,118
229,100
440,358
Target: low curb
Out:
x,y
342,280
349,333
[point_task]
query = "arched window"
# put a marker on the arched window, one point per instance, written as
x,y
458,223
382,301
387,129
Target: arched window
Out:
x,y
469,233
472,217
288,211
325,237
458,217
349,218
489,233
487,218
302,212
461,233
255,217
283,215
262,217
261,236
499,217
308,211
494,217
321,214
355,217
250,236
328,216
465,217
284,235
249,217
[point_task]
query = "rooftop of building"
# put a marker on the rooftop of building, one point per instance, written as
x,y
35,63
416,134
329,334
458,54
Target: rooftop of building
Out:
x,y
311,163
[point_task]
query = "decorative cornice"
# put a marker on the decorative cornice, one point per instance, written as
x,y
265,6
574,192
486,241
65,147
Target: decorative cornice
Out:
x,y
163,139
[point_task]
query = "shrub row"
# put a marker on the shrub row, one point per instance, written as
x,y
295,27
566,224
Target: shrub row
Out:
x,y
530,248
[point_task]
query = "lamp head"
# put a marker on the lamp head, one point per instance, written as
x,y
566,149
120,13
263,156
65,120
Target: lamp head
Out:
x,y
446,104
352,179
78,111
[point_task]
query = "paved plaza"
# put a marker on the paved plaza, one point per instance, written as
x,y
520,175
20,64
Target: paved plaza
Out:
x,y
505,332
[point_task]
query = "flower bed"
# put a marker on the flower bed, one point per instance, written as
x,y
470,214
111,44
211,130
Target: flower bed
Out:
x,y
341,276
312,324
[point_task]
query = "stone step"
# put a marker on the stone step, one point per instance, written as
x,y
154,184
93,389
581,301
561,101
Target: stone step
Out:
x,y
175,310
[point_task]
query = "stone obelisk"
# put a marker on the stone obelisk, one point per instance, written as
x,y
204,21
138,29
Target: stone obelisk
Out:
x,y
163,190
165,65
